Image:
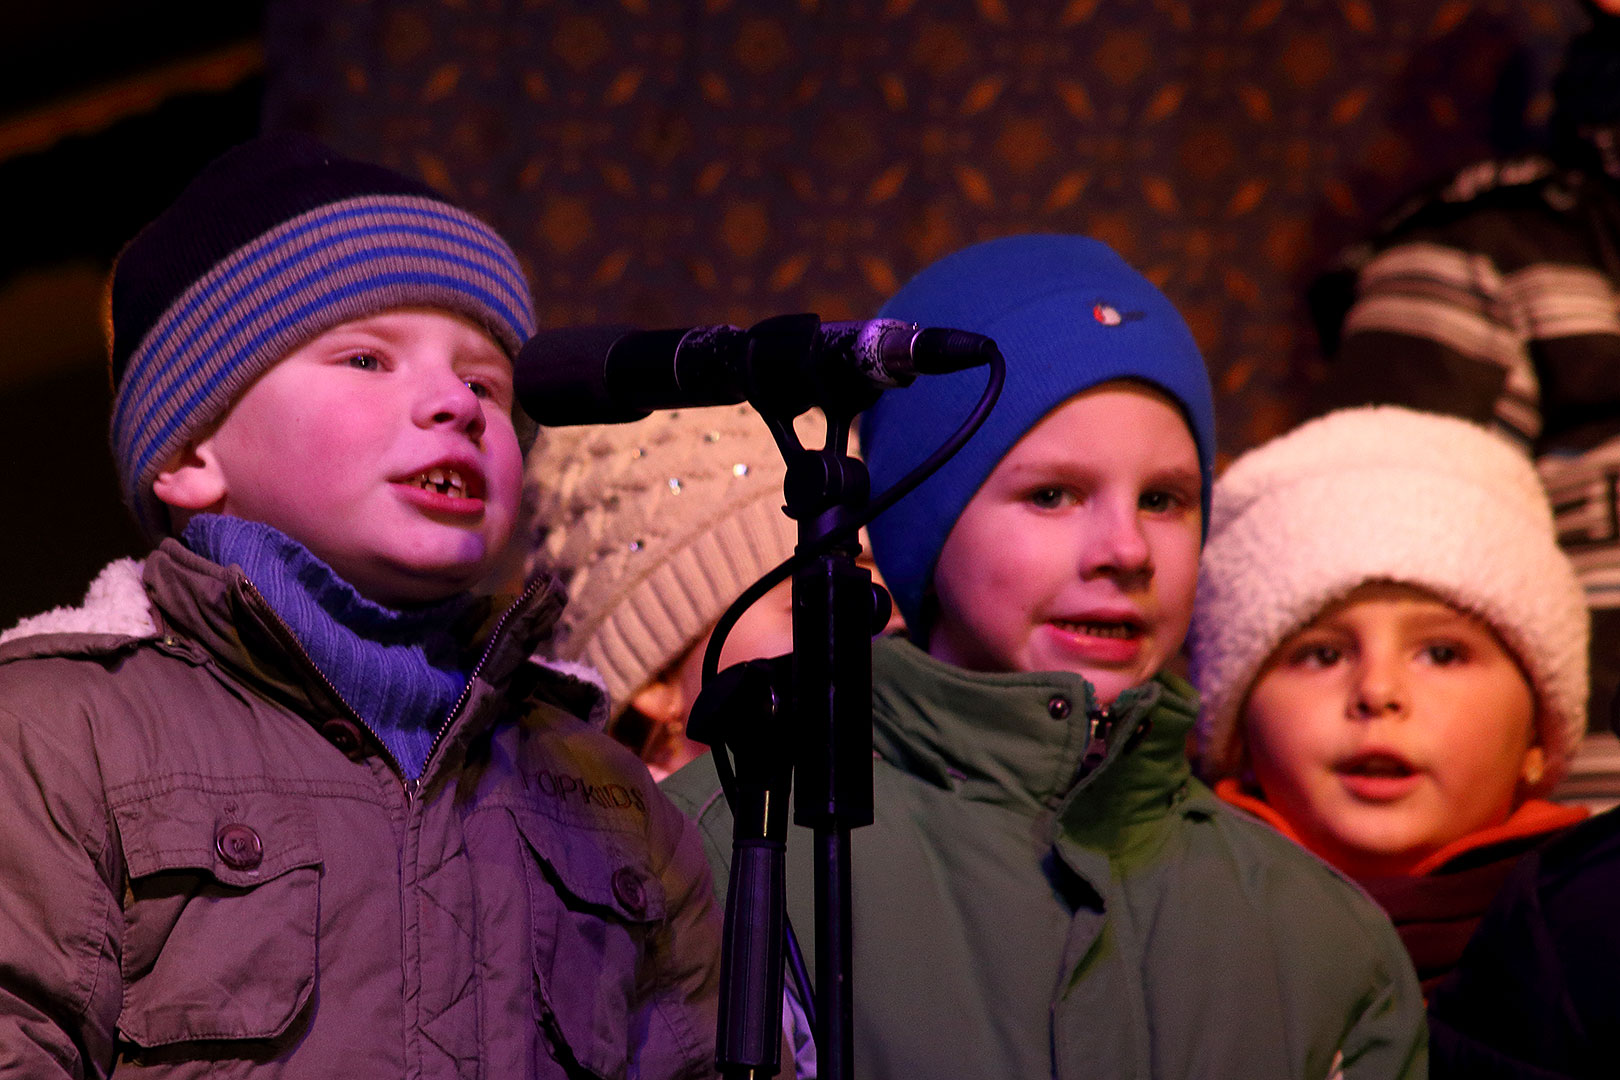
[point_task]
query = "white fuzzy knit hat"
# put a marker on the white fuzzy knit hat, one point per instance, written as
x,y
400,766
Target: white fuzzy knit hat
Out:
x,y
1384,494
656,527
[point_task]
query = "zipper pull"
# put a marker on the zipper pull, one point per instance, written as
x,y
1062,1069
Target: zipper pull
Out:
x,y
1097,745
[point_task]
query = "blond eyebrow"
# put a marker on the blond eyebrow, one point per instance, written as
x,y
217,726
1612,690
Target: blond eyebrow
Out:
x,y
1175,474
1052,465
1065,468
344,338
1449,616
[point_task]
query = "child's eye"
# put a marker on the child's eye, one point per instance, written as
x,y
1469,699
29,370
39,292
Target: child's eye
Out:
x,y
1048,498
1159,502
1316,656
1445,653
490,386
365,362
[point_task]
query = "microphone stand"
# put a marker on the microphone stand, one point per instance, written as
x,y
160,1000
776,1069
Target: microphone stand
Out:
x,y
836,610
808,713
802,722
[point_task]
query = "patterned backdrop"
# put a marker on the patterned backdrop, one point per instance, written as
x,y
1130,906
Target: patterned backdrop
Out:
x,y
719,160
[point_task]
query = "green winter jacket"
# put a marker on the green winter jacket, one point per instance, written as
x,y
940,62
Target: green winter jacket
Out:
x,y
1016,915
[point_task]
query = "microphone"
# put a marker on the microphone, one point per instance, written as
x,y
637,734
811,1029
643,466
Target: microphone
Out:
x,y
616,374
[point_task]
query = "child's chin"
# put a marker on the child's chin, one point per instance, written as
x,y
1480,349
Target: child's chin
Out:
x,y
1107,683
416,585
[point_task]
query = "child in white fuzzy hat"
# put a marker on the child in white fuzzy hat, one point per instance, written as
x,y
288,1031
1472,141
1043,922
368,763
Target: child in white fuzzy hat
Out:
x,y
1391,651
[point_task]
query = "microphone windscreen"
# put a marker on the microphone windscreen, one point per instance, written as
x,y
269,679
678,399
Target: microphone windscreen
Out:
x,y
560,377
940,350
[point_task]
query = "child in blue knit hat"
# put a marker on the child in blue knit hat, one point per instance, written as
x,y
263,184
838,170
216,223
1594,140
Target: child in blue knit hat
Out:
x,y
289,796
1047,890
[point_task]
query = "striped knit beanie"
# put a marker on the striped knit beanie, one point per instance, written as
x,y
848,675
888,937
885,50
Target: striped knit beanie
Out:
x,y
1068,314
274,243
656,527
1381,493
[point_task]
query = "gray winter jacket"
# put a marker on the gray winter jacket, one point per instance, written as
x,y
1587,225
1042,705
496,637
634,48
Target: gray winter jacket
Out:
x,y
208,865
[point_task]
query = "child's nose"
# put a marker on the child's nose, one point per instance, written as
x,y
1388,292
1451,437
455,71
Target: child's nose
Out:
x,y
1377,689
1117,545
450,401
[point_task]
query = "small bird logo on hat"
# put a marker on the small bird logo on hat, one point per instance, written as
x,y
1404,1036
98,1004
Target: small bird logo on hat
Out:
x,y
1109,315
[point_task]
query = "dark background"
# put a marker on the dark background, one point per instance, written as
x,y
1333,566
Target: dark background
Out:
x,y
718,160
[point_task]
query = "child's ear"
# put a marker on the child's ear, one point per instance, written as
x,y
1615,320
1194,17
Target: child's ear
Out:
x,y
1534,766
192,479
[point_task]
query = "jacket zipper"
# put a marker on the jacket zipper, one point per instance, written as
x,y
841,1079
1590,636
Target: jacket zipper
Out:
x,y
297,647
466,691
411,787
1100,722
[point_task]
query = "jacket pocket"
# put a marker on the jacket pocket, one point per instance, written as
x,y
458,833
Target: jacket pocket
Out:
x,y
220,914
594,907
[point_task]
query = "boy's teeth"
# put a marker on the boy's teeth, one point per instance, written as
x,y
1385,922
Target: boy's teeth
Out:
x,y
444,481
1096,629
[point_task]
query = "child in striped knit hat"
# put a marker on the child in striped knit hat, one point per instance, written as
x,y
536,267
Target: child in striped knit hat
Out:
x,y
291,792
1391,650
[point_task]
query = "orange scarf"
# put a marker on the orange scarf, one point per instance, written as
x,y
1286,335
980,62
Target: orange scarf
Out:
x,y
1534,816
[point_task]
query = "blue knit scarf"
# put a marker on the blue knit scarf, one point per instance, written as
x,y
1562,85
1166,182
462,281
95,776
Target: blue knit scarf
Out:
x,y
400,670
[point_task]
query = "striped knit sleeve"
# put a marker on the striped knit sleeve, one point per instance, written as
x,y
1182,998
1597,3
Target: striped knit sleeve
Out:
x,y
1443,329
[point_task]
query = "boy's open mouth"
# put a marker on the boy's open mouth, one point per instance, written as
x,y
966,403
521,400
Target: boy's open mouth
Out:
x,y
1376,765
1121,630
448,482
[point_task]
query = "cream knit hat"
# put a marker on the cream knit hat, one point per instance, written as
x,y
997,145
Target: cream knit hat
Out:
x,y
656,527
1384,494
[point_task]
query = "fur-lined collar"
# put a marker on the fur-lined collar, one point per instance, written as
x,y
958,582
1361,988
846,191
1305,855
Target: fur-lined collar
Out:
x,y
115,603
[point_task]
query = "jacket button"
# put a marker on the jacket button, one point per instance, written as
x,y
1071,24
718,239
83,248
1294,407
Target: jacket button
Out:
x,y
343,735
628,890
239,846
1058,708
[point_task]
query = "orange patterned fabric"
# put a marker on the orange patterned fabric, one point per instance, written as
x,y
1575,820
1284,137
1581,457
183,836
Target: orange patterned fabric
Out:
x,y
721,160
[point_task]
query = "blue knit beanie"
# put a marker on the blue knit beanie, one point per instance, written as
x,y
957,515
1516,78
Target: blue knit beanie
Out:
x,y
1068,314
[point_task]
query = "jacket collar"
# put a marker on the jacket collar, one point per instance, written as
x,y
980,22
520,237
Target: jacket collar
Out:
x,y
1533,817
115,606
220,613
1018,740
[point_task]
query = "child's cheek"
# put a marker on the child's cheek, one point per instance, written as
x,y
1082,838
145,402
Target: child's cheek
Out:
x,y
505,480
1177,574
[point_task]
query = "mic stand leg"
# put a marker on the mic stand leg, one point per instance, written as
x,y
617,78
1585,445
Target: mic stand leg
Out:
x,y
833,616
835,1002
740,711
